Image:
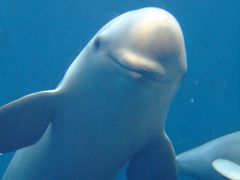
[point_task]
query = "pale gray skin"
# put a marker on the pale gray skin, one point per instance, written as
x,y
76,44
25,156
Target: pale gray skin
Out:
x,y
198,161
109,109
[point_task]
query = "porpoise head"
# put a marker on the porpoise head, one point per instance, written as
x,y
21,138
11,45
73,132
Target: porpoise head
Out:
x,y
139,50
147,42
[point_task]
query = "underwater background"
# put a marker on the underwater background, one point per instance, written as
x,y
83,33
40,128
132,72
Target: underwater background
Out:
x,y
40,39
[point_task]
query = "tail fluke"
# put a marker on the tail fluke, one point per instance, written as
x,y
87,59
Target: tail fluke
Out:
x,y
227,168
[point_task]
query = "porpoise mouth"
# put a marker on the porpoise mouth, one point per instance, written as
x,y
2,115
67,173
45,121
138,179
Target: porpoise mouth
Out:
x,y
140,65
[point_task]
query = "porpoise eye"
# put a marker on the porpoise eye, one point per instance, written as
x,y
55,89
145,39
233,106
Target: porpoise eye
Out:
x,y
97,43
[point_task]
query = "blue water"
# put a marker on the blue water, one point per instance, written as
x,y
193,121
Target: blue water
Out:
x,y
39,40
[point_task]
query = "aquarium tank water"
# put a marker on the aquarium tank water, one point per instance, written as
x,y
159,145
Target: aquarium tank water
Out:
x,y
40,39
